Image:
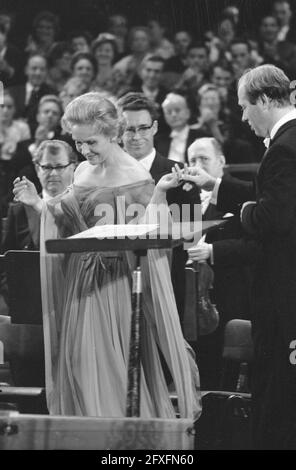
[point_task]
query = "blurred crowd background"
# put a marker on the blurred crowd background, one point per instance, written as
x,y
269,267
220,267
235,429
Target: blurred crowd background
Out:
x,y
51,52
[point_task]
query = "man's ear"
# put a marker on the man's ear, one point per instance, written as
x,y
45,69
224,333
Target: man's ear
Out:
x,y
222,160
265,100
155,127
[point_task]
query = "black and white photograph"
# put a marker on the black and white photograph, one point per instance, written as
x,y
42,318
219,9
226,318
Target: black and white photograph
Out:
x,y
147,229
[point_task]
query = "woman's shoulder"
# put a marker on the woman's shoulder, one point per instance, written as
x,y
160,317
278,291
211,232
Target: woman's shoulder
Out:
x,y
80,168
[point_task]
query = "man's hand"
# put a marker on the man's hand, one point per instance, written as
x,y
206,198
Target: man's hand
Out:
x,y
201,252
200,177
25,191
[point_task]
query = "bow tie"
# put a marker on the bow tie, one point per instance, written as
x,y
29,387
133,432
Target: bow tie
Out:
x,y
266,142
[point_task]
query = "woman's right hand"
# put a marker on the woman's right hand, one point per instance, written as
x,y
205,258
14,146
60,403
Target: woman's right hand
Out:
x,y
25,191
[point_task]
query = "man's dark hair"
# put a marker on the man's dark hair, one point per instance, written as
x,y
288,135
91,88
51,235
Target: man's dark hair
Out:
x,y
240,40
137,102
153,58
198,45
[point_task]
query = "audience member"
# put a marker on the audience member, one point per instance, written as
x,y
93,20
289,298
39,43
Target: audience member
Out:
x,y
104,50
211,116
54,162
44,35
273,51
59,61
84,67
48,119
28,95
231,284
11,60
221,76
281,10
73,87
177,64
198,67
128,66
12,130
159,44
80,41
118,26
175,143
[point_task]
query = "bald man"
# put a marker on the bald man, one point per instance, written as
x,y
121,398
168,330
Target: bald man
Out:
x,y
177,114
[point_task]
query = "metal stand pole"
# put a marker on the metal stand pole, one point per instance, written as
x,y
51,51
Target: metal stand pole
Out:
x,y
134,365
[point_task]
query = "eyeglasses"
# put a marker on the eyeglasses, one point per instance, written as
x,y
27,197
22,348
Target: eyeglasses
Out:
x,y
49,168
142,130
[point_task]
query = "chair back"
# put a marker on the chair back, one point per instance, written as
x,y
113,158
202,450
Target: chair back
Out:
x,y
238,345
24,351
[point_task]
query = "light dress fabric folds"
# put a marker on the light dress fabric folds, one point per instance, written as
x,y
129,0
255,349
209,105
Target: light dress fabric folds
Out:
x,y
86,301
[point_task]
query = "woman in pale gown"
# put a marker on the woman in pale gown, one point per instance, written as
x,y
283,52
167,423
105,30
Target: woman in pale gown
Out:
x,y
86,297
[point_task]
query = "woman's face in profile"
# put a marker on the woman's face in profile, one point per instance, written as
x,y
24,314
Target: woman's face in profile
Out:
x,y
95,147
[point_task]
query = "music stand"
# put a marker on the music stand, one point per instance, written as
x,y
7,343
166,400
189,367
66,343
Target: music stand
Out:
x,y
147,237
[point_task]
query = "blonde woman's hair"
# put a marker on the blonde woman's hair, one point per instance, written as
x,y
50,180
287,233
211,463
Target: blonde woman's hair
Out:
x,y
92,109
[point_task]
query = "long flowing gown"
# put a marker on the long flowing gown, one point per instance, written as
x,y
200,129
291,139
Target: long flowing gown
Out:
x,y
86,299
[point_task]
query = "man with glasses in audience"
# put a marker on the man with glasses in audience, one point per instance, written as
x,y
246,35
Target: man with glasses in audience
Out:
x,y
140,120
55,162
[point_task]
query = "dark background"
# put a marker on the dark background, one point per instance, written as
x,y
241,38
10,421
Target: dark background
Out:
x,y
194,15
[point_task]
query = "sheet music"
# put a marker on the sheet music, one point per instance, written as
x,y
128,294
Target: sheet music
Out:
x,y
116,231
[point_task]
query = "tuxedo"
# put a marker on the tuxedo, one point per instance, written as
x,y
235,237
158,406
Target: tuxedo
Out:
x,y
161,166
163,142
269,243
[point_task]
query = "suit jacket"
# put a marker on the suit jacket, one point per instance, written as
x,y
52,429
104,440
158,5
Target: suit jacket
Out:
x,y
163,142
22,230
160,167
29,111
270,225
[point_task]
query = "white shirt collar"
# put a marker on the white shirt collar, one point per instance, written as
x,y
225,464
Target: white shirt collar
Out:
x,y
148,160
286,118
182,135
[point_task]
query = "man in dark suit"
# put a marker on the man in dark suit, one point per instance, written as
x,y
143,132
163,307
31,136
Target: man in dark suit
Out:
x,y
269,223
174,144
151,72
55,162
27,96
140,116
231,283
